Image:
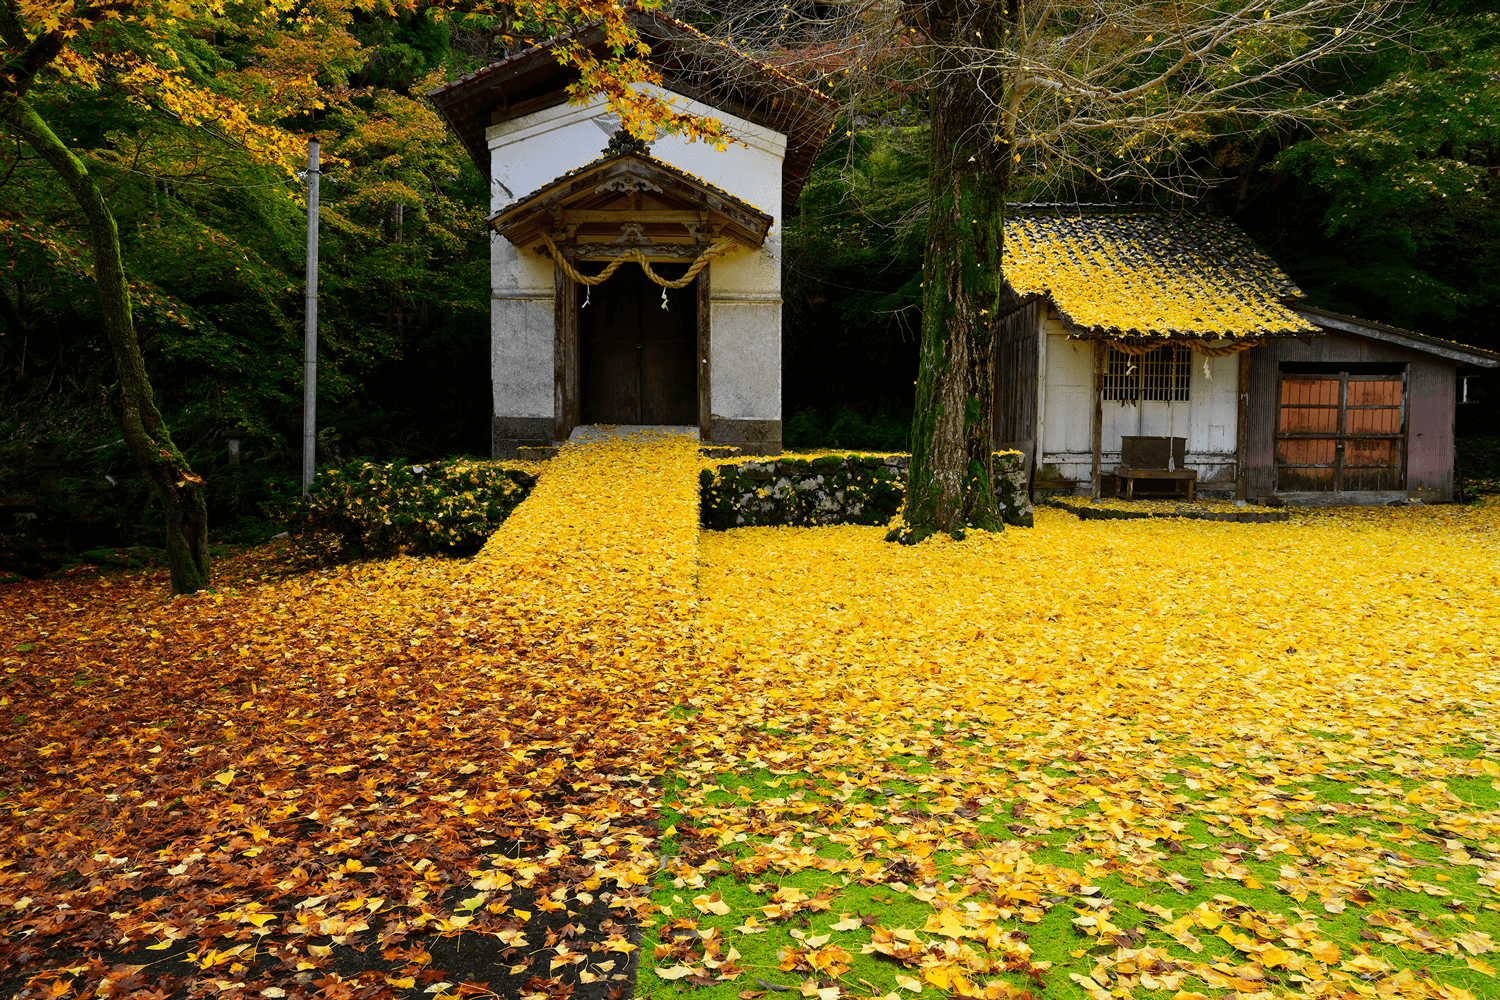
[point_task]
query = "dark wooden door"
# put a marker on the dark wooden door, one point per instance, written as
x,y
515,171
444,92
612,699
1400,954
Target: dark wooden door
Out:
x,y
639,361
1340,433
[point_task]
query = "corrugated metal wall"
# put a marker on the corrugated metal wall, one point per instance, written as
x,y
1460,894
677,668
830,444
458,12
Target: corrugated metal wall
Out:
x,y
1430,398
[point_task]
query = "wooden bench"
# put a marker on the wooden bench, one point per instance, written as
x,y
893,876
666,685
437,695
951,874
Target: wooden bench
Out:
x,y
1125,480
1149,457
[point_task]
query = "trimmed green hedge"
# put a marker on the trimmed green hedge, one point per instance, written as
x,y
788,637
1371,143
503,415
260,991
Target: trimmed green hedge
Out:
x,y
367,510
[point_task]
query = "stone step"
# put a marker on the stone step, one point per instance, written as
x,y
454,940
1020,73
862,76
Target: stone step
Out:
x,y
536,453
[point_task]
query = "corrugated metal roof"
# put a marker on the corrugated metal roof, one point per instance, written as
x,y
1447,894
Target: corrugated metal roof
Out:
x,y
1451,349
1126,273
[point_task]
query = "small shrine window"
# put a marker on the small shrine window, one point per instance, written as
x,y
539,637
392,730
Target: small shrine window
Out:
x,y
1162,375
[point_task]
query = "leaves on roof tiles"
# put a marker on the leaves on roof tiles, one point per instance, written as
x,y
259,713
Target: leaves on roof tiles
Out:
x,y
1142,274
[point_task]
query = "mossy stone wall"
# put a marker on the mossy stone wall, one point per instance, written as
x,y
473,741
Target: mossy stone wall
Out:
x,y
833,489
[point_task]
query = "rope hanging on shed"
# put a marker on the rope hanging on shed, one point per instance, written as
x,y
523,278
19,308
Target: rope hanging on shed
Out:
x,y
718,249
1218,349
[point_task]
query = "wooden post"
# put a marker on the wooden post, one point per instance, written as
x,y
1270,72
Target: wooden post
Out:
x,y
1242,431
565,401
705,357
1101,356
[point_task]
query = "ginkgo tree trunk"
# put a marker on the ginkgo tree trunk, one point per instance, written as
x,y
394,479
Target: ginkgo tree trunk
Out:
x,y
948,484
1068,96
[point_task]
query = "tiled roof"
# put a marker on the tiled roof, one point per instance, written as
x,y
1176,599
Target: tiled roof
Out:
x,y
1139,273
690,64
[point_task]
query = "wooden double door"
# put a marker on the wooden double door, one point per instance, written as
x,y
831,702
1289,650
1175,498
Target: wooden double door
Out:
x,y
1341,432
638,361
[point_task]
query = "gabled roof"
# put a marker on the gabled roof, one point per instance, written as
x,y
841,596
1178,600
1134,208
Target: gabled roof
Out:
x,y
595,185
1452,350
1140,274
690,64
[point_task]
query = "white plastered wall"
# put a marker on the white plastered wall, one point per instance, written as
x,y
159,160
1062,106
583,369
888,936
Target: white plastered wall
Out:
x,y
1208,419
530,152
1068,414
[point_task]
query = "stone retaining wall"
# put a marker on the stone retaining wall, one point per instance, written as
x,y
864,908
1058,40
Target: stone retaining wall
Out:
x,y
832,489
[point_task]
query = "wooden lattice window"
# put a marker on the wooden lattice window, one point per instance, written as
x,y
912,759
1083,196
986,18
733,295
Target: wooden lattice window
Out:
x,y
1162,375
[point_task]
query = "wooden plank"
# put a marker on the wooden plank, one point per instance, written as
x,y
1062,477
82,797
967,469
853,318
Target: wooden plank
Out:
x,y
573,391
609,251
565,402
611,216
1242,428
551,100
1101,353
560,324
705,356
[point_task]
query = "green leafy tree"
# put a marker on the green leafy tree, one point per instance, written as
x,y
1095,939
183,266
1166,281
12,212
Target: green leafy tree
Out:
x,y
211,74
1403,196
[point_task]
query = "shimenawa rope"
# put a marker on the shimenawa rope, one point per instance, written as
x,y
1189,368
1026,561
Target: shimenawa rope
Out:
x,y
718,249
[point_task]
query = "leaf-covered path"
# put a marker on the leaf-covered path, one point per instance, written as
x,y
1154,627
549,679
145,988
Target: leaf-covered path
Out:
x,y
1146,759
387,779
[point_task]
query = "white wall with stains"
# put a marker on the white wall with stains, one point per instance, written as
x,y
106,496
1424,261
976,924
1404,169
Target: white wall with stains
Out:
x,y
1208,418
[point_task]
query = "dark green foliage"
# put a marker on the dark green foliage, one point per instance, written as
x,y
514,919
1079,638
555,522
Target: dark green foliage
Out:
x,y
1479,457
73,489
848,427
369,510
1394,215
852,281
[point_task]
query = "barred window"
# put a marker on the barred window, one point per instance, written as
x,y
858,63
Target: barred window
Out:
x,y
1162,375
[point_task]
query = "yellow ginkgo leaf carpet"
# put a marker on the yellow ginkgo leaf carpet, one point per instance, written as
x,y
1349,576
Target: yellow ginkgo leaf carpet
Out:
x,y
1145,758
1157,758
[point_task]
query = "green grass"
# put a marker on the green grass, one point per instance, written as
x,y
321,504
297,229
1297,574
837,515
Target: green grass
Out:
x,y
1363,802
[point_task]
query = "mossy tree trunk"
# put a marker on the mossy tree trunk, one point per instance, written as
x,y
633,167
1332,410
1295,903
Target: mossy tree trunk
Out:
x,y
141,424
949,484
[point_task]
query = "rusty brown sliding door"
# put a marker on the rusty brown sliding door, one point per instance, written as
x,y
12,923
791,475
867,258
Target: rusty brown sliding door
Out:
x,y
1341,433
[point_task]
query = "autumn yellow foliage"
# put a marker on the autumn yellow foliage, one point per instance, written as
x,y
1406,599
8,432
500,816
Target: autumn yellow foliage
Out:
x,y
1156,758
1144,275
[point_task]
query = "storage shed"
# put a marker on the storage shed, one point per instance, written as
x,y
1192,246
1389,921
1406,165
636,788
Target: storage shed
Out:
x,y
1128,324
687,330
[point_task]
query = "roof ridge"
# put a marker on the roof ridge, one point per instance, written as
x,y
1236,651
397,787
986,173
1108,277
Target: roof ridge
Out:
x,y
606,157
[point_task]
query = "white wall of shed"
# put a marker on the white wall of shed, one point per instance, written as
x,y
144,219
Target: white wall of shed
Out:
x,y
1068,417
1208,418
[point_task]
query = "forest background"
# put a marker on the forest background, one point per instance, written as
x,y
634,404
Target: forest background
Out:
x,y
1391,213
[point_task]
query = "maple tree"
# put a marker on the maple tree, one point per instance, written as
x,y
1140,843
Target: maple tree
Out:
x,y
1097,756
303,56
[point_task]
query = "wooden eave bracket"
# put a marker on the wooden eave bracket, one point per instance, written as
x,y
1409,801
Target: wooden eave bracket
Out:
x,y
605,200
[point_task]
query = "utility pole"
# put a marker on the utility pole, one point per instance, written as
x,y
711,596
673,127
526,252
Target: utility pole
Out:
x,y
310,355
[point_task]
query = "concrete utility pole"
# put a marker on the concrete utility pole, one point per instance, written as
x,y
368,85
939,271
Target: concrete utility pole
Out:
x,y
310,356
